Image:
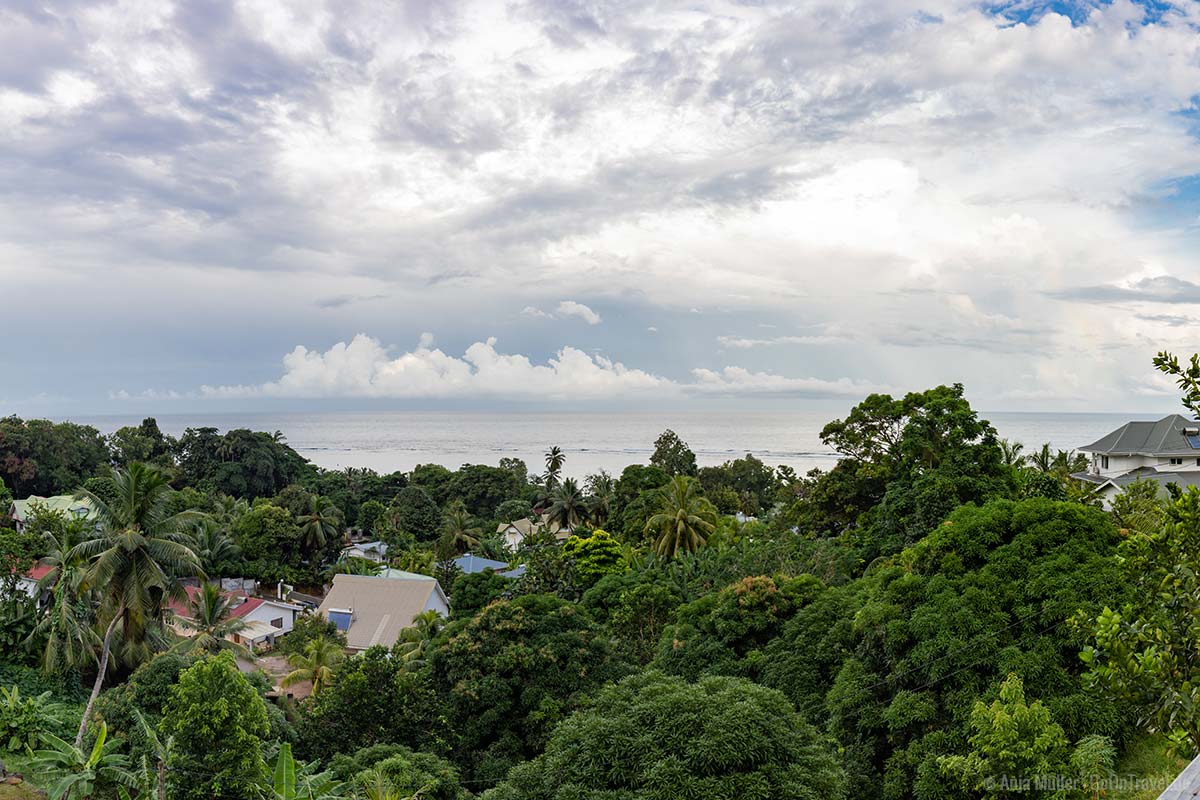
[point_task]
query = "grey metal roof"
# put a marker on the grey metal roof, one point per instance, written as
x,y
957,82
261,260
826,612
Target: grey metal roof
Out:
x,y
1183,478
1186,786
471,563
1162,438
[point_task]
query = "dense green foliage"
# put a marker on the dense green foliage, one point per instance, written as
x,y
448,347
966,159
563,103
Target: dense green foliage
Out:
x,y
652,737
937,609
218,722
510,673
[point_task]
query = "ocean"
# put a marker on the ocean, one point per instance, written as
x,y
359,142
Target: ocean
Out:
x,y
399,440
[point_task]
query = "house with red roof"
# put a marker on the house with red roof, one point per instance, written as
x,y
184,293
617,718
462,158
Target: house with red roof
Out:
x,y
266,618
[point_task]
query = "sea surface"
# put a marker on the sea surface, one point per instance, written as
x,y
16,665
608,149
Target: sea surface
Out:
x,y
399,440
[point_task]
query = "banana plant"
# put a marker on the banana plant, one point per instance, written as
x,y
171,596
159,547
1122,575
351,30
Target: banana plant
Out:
x,y
301,781
76,772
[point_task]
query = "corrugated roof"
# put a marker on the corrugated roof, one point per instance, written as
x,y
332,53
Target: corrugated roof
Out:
x,y
1163,437
382,607
65,503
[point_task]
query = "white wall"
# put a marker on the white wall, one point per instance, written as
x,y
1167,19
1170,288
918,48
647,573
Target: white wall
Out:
x,y
268,611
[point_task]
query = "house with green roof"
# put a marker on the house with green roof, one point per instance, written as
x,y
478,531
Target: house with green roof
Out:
x,y
65,503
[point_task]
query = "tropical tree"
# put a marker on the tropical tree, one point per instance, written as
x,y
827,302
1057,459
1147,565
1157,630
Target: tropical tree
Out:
x,y
602,494
568,507
151,775
684,519
75,772
415,642
1010,453
458,531
210,618
673,455
136,560
214,546
320,524
315,664
228,510
67,625
292,780
555,458
1042,460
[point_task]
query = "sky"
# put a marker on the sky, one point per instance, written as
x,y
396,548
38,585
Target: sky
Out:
x,y
575,203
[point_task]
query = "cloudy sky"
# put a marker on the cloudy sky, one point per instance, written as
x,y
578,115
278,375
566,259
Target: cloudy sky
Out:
x,y
247,203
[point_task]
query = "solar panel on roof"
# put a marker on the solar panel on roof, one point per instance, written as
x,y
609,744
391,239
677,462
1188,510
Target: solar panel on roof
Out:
x,y
341,619
1193,441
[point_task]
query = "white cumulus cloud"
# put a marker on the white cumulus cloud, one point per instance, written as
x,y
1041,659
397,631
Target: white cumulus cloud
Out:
x,y
365,368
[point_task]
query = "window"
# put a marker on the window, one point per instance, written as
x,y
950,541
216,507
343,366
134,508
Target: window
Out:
x,y
1104,461
277,622
1177,461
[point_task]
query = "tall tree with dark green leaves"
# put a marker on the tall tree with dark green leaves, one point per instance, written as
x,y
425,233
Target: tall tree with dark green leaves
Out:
x,y
219,724
672,455
136,562
653,736
511,672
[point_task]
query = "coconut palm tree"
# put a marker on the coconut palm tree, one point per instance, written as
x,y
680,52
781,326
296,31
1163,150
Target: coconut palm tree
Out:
x,y
136,561
1042,460
210,618
320,524
568,507
458,532
315,664
229,510
213,546
67,624
1010,453
684,520
602,492
555,458
413,645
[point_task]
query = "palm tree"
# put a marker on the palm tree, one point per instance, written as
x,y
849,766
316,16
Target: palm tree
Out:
x,y
1042,460
1010,453
555,458
684,520
315,664
210,616
414,642
320,524
136,560
213,546
602,491
66,626
567,505
458,533
229,510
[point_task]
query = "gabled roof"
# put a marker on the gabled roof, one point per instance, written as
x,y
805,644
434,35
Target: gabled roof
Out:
x,y
1163,437
65,503
381,607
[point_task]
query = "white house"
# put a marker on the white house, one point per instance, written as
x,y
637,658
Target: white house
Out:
x,y
372,551
1164,451
266,618
519,530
